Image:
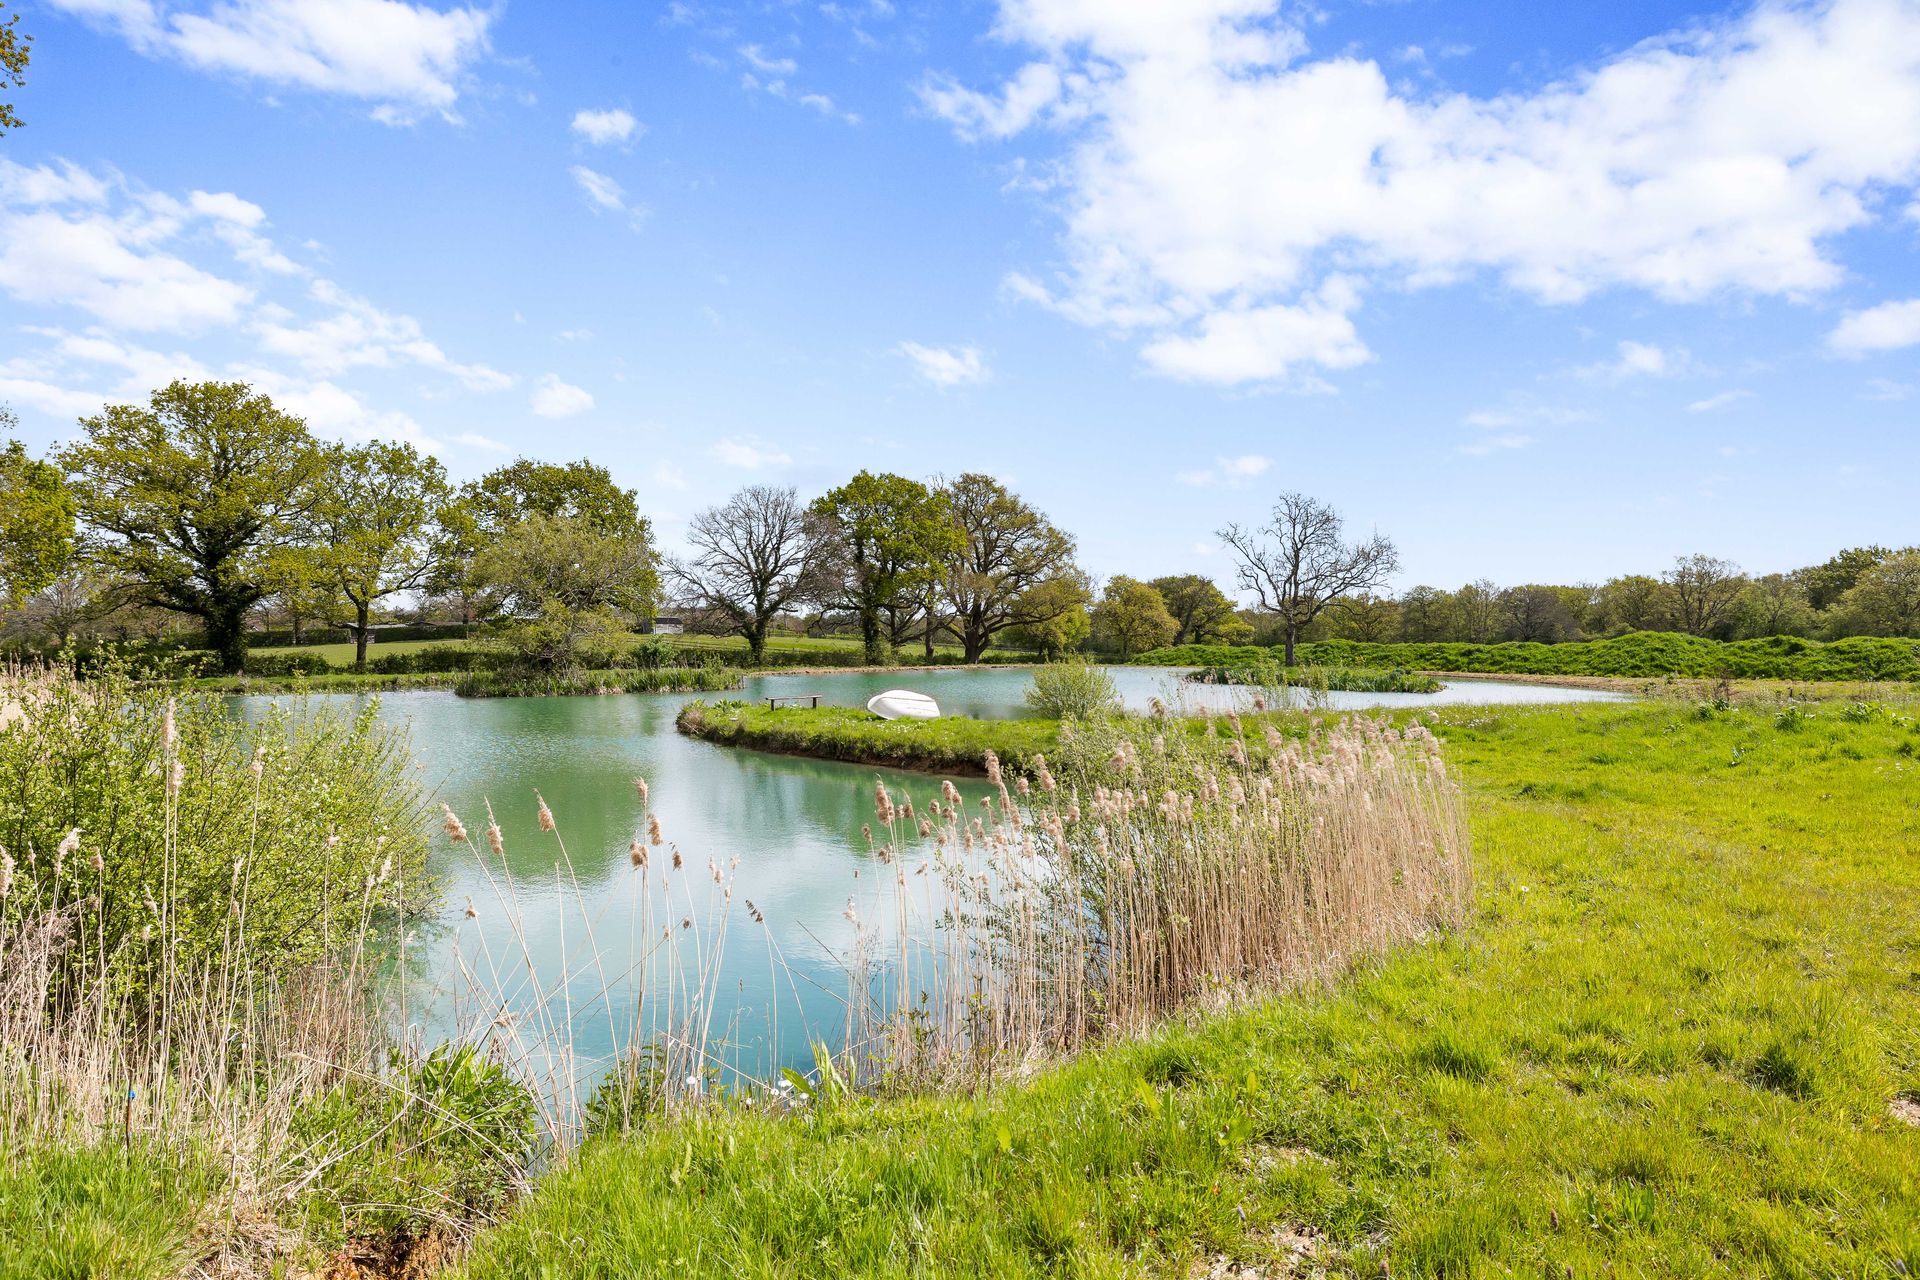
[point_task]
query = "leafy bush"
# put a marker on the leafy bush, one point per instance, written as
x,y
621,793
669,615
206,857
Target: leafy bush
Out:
x,y
1072,691
517,683
263,840
436,659
1344,679
447,1137
1638,655
274,665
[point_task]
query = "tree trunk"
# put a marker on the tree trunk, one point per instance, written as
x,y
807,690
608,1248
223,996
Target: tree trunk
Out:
x,y
870,637
757,644
973,644
1293,633
227,636
360,638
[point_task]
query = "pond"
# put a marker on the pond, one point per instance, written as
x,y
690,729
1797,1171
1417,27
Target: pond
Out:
x,y
565,949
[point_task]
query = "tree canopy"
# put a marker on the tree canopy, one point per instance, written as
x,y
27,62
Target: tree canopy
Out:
x,y
188,497
36,521
373,523
1131,617
1006,549
16,48
892,536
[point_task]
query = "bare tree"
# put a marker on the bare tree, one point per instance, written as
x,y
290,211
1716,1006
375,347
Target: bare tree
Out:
x,y
1296,565
1704,590
755,555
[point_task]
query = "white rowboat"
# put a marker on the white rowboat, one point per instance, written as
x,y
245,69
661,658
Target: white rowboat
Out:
x,y
903,704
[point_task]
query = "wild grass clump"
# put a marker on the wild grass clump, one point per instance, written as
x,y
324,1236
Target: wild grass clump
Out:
x,y
1072,691
156,831
197,915
1149,871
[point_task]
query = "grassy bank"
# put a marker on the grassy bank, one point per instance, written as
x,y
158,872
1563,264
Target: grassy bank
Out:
x,y
951,744
1646,653
1674,1043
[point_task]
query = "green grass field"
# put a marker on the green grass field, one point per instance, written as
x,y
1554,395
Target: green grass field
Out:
x,y
1672,1043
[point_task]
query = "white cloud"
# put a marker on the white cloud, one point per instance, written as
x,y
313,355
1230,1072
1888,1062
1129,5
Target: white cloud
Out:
x,y
605,128
358,333
749,453
1719,401
110,268
1886,389
601,191
974,115
553,398
1217,176
1488,444
1637,360
1524,413
1260,344
946,366
668,476
770,75
406,58
1887,327
1234,472
606,195
767,64
474,440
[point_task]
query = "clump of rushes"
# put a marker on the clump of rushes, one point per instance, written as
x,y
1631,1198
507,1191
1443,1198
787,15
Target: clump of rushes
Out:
x,y
1099,893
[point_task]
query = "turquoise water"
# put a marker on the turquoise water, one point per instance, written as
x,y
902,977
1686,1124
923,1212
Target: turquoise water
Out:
x,y
784,833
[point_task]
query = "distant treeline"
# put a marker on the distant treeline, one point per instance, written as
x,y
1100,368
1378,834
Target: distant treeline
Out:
x,y
1641,654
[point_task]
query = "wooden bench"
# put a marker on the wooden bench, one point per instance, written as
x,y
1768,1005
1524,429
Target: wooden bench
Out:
x,y
811,699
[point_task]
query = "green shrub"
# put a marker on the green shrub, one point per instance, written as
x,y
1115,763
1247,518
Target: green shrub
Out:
x,y
517,683
1072,691
280,665
264,839
1343,679
1639,655
436,659
447,1137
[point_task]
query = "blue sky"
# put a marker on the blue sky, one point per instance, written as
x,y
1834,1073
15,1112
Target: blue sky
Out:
x,y
1544,292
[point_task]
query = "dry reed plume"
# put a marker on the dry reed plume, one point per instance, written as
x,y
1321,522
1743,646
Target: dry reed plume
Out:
x,y
1157,868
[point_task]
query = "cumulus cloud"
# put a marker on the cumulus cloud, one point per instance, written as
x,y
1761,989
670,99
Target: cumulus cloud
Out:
x,y
405,58
553,398
606,128
357,333
1637,360
946,366
1217,175
1887,327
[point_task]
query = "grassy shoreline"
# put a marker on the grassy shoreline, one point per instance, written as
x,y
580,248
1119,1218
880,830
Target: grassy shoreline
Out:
x,y
1675,1041
952,745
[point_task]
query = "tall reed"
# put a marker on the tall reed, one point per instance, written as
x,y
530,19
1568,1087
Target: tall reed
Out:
x,y
1156,867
